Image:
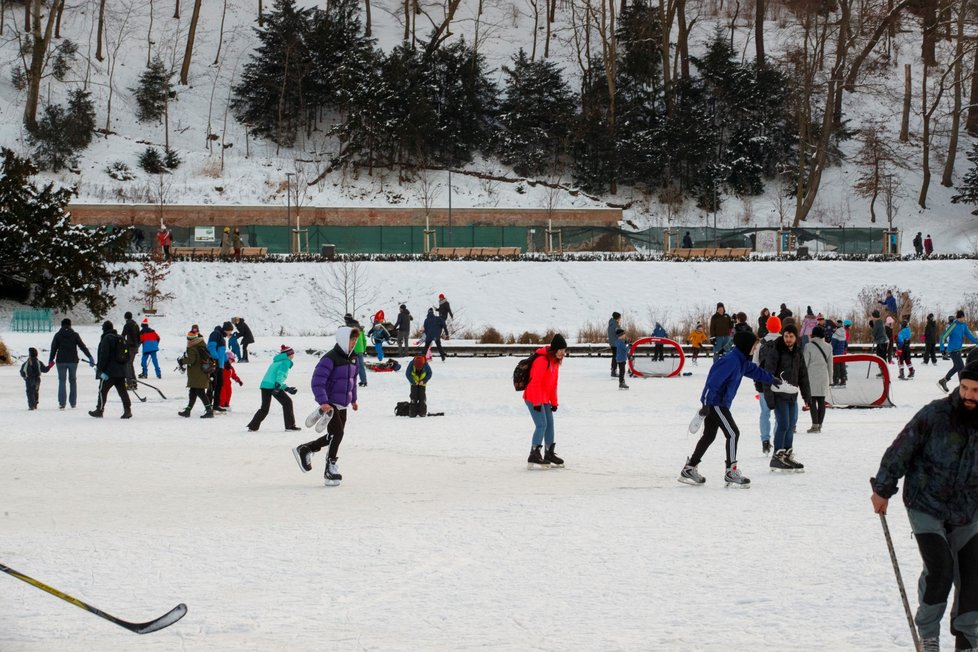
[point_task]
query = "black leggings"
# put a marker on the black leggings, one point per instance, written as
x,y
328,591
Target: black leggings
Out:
x,y
333,436
816,405
266,403
621,372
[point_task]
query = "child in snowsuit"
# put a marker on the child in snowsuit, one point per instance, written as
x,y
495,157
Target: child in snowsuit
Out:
x,y
379,335
418,374
273,385
150,341
229,375
904,337
334,384
31,372
621,356
696,338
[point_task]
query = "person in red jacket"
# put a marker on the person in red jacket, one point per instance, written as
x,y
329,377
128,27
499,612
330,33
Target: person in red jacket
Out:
x,y
165,240
230,374
540,397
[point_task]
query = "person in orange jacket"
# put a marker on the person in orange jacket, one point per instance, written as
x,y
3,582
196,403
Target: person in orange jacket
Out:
x,y
540,397
230,374
696,338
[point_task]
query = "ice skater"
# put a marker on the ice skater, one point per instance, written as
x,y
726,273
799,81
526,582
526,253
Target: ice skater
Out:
x,y
540,397
273,386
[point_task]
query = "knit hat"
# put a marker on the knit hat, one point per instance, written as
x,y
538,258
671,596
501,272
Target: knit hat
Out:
x,y
441,296
744,341
889,321
227,229
66,322
790,328
231,357
876,313
970,371
419,362
557,343
107,326
619,331
819,316
847,322
773,324
720,305
146,320
616,315
286,349
193,335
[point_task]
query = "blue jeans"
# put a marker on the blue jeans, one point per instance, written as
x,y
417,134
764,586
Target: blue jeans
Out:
x,y
543,424
722,345
785,418
156,365
765,419
958,363
361,369
67,369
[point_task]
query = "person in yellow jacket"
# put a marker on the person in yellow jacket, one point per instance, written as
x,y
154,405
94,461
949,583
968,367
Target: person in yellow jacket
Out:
x,y
696,338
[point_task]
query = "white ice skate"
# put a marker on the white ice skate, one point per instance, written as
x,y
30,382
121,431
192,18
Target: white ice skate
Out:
x,y
697,421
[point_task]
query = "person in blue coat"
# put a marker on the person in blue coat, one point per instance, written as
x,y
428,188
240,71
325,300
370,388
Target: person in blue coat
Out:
x,y
622,347
658,352
217,348
721,387
434,326
889,303
613,325
903,340
418,374
951,342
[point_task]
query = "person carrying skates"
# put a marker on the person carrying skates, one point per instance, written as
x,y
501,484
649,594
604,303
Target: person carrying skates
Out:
x,y
418,374
334,384
721,387
540,397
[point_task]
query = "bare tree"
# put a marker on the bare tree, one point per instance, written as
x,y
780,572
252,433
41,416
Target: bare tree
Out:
x,y
441,32
176,9
149,36
100,35
877,161
366,19
261,16
191,35
220,35
121,35
759,33
345,290
38,49
959,52
57,23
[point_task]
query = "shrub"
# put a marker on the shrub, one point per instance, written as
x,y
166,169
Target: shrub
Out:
x,y
63,132
119,171
5,354
491,336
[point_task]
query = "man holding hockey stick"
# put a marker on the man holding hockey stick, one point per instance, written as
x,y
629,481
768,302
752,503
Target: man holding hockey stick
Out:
x,y
938,453
721,387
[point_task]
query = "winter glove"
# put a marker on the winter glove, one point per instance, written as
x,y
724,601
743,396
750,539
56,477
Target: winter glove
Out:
x,y
103,376
51,365
704,411
239,383
91,363
277,387
553,408
537,408
291,390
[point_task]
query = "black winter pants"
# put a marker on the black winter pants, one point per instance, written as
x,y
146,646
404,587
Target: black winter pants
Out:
x,y
930,352
217,383
437,341
717,418
33,389
266,403
419,401
120,387
194,394
333,437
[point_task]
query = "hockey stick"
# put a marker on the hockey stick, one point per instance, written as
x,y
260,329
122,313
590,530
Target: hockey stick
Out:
x,y
167,619
162,395
899,578
142,399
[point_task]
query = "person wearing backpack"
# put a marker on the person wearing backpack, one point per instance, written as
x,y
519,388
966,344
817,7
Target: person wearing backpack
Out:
x,y
111,368
540,397
130,335
197,361
31,372
217,348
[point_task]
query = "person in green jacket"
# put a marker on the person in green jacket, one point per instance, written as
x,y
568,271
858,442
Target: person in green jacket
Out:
x,y
360,347
273,385
198,380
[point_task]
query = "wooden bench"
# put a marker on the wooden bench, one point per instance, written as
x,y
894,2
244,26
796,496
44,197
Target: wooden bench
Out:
x,y
214,252
474,252
710,252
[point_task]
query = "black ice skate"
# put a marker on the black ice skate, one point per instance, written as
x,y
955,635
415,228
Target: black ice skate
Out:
x,y
779,464
622,385
551,457
690,475
789,457
536,460
332,478
734,478
184,412
942,383
303,456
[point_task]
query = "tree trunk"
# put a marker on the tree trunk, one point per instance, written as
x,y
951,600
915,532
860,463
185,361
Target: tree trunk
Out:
x,y
907,95
682,39
928,41
366,19
57,26
971,125
149,36
665,20
39,48
176,9
759,33
925,146
100,33
442,31
261,16
407,20
220,36
952,145
189,51
551,16
27,15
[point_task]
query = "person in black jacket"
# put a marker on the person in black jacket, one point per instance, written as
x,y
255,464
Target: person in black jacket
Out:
x,y
783,359
31,372
64,352
130,335
444,309
936,453
111,371
434,326
930,339
403,329
246,336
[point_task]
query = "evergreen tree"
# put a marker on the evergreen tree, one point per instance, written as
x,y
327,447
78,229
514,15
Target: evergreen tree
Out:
x,y
152,91
968,190
60,263
535,116
342,57
151,161
63,132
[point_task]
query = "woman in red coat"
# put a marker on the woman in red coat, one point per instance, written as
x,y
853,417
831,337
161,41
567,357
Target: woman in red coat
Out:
x,y
540,397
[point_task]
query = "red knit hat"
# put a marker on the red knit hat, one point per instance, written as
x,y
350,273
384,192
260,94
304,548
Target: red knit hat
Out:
x,y
419,362
441,296
773,324
146,320
286,349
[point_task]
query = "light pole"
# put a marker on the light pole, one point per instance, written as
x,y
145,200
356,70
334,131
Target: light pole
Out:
x,y
288,205
449,206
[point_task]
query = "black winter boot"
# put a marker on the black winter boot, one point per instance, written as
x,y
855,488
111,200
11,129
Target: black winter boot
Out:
x,y
95,413
184,412
126,415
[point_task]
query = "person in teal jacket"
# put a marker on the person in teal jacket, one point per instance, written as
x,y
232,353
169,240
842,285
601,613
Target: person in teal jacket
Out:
x,y
273,385
951,341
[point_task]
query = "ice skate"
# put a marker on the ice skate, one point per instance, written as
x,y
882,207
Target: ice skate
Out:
x,y
303,456
789,457
780,464
332,477
690,475
697,421
734,478
536,460
551,457
622,385
313,417
184,413
942,383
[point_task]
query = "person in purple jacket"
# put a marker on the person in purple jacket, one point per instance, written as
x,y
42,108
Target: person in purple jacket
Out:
x,y
334,385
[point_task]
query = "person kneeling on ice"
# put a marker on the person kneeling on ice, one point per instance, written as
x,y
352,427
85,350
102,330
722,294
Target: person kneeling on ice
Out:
x,y
334,384
273,385
540,397
418,374
935,452
721,387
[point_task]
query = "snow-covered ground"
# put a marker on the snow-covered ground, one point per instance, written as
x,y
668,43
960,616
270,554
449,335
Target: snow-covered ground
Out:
x,y
439,538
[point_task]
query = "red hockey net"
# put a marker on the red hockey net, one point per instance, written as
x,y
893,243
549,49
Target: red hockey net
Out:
x,y
859,380
656,357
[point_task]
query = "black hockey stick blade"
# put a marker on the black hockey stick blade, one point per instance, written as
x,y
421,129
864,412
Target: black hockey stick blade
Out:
x,y
142,399
167,619
162,395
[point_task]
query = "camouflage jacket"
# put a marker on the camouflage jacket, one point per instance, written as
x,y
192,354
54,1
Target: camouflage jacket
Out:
x,y
938,453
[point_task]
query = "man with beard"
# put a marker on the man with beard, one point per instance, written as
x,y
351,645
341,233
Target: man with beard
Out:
x,y
938,453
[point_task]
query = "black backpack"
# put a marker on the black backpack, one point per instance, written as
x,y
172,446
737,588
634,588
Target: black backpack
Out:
x,y
521,375
402,408
121,350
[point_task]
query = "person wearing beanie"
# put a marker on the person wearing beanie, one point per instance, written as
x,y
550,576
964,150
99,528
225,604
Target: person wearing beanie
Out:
x,y
903,340
112,369
273,385
772,326
434,326
784,360
130,334
64,353
721,327
935,453
334,386
880,338
621,356
230,375
197,362
818,360
150,341
784,312
930,340
402,329
31,372
245,336
418,374
721,387
696,338
217,348
613,325
444,309
540,397
951,342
